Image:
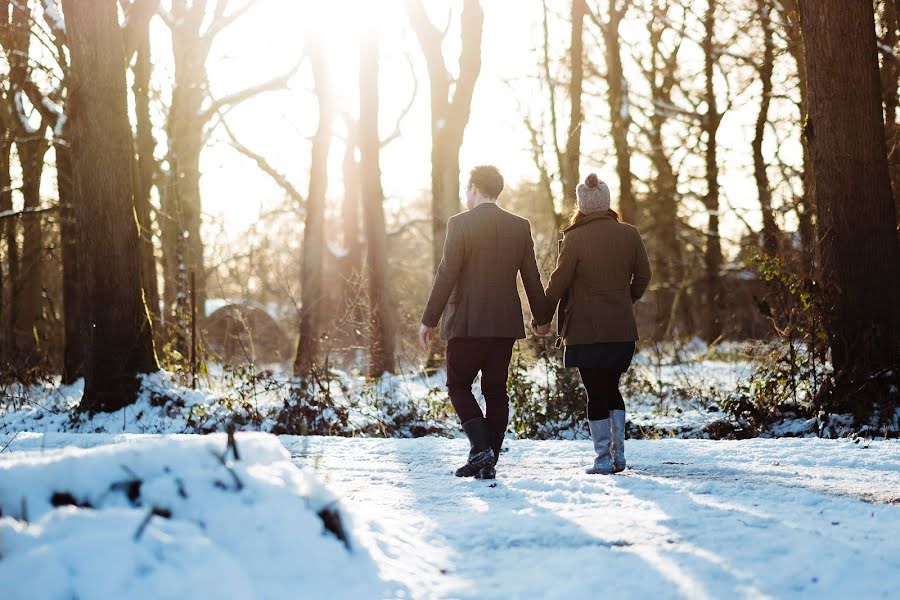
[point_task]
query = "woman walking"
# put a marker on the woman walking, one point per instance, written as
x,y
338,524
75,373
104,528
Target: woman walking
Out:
x,y
602,271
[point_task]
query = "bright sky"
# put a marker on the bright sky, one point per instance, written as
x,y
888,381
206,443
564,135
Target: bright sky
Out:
x,y
270,38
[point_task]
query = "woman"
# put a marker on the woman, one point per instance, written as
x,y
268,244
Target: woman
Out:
x,y
601,272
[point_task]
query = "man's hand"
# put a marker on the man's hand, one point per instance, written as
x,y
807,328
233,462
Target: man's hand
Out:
x,y
542,329
425,335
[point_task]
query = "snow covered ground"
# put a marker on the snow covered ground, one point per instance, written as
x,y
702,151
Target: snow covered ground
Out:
x,y
790,518
691,518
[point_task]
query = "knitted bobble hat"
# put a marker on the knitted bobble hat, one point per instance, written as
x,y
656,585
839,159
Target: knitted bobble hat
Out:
x,y
593,195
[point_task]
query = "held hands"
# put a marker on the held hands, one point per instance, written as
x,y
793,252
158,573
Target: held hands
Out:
x,y
425,335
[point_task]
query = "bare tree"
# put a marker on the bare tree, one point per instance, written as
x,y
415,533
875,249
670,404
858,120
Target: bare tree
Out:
x,y
770,232
27,301
381,322
449,111
856,217
710,121
619,107
789,15
115,324
311,292
194,25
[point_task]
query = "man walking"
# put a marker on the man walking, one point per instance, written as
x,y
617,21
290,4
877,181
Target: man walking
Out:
x,y
475,290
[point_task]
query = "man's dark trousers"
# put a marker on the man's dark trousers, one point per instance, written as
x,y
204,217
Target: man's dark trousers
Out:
x,y
465,358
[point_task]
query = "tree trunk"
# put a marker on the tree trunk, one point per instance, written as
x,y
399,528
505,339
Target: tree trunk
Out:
x,y
8,227
180,225
145,173
856,215
619,111
571,172
890,80
712,326
115,324
770,233
73,351
449,115
28,320
381,322
312,292
806,203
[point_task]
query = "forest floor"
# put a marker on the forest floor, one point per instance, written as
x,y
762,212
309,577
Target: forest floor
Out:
x,y
785,518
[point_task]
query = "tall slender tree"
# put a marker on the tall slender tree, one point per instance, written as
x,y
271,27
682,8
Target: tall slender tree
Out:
x,y
311,284
857,222
381,322
451,103
710,121
116,326
770,233
619,106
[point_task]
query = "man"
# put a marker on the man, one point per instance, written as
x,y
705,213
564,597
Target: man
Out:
x,y
475,290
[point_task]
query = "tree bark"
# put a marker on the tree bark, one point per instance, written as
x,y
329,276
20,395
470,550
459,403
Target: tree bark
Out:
x,y
183,245
856,214
312,292
73,351
770,233
12,251
570,169
381,321
28,320
806,203
890,80
116,326
449,116
145,171
712,326
619,111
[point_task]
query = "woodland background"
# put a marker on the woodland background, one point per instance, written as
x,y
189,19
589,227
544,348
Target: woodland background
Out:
x,y
753,142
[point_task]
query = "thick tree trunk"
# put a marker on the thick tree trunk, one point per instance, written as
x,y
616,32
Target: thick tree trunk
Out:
x,y
115,324
856,215
770,233
28,320
145,173
381,321
73,352
619,110
712,256
312,290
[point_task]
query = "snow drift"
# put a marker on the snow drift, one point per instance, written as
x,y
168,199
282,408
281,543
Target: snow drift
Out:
x,y
174,517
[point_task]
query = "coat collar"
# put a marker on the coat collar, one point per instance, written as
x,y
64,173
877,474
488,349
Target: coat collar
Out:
x,y
608,215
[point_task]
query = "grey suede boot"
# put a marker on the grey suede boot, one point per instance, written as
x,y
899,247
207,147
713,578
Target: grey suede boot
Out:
x,y
603,464
617,434
480,454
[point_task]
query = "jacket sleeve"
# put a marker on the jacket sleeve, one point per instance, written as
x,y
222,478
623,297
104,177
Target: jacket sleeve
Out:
x,y
531,280
640,269
562,276
446,276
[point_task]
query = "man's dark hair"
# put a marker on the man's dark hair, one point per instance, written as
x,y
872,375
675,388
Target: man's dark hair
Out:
x,y
487,179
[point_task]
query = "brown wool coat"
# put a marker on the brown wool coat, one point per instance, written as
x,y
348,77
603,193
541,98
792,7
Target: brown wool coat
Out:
x,y
604,266
475,285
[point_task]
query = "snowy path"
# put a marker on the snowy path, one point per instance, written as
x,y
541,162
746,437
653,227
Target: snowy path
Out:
x,y
694,519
